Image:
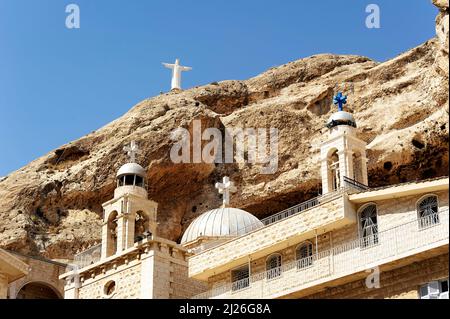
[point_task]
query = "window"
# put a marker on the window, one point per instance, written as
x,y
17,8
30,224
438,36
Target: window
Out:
x,y
434,290
109,288
357,167
129,180
141,227
240,278
304,255
273,266
368,226
333,171
139,181
427,211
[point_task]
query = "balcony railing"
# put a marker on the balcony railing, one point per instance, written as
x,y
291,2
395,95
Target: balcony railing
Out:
x,y
240,284
342,260
294,210
355,184
88,257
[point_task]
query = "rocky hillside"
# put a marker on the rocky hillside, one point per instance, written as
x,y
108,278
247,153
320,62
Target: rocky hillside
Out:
x,y
52,206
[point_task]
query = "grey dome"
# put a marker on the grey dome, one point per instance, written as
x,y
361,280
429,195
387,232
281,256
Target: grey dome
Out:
x,y
221,222
341,118
131,169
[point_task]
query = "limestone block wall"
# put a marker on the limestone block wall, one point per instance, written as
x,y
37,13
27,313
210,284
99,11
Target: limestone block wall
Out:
x,y
183,287
154,269
328,216
288,255
126,278
41,271
399,234
402,282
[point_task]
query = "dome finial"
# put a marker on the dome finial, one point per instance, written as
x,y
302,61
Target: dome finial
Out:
x,y
226,188
340,100
132,151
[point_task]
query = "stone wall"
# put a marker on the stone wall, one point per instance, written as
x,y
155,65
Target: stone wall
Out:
x,y
391,213
403,282
331,215
155,269
127,283
41,271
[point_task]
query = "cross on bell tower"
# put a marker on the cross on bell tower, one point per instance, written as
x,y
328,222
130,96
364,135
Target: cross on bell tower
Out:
x,y
132,151
225,188
340,100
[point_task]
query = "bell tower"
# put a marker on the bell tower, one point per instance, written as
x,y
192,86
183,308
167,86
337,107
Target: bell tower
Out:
x,y
130,216
343,154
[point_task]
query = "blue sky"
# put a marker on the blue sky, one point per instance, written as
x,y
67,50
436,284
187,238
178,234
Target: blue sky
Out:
x,y
57,84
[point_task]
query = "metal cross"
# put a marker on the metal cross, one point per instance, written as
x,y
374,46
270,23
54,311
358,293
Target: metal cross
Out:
x,y
340,100
132,151
226,188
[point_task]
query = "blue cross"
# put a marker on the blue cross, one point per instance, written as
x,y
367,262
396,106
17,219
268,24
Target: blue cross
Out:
x,y
340,100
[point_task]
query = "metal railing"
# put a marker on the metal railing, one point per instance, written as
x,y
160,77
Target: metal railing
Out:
x,y
355,184
294,210
88,257
291,211
342,260
240,284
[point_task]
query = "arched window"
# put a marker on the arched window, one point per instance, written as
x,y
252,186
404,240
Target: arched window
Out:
x,y
273,266
112,234
427,211
333,171
141,227
240,277
357,167
304,255
368,226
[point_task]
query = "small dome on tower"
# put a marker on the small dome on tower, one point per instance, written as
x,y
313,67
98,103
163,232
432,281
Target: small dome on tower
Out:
x,y
131,174
341,118
131,169
221,222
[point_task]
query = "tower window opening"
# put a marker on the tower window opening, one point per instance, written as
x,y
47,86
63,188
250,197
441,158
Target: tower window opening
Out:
x,y
333,170
139,181
141,227
129,180
357,167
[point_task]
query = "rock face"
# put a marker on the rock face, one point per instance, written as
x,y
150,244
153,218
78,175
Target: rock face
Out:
x,y
52,206
442,27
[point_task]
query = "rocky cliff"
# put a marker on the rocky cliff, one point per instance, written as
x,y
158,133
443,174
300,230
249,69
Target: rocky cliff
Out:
x,y
52,206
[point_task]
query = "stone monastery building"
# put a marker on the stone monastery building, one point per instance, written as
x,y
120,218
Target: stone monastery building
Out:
x,y
351,242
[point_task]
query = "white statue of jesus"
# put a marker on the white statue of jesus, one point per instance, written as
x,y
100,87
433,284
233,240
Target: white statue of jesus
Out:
x,y
176,73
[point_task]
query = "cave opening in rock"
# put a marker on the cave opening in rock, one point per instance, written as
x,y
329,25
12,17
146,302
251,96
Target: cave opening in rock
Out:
x,y
418,144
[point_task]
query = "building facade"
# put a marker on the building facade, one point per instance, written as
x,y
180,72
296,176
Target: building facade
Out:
x,y
350,242
132,261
